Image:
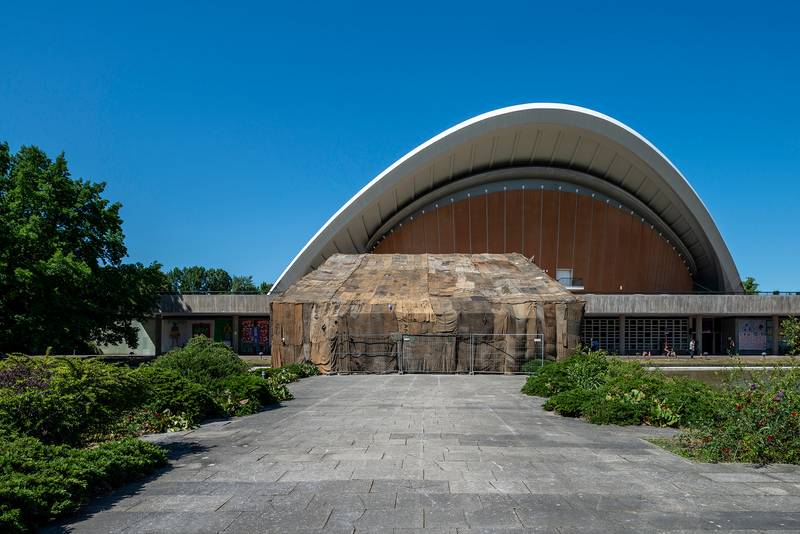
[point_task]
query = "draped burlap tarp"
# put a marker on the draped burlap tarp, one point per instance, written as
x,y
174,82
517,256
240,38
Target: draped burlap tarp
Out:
x,y
352,313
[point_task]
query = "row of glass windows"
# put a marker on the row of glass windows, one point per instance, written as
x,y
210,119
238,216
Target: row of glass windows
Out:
x,y
652,336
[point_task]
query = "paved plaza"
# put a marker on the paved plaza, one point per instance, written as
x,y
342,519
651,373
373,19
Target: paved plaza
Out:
x,y
456,454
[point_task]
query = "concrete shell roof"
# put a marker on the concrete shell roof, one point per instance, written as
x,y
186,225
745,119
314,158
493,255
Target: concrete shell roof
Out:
x,y
544,136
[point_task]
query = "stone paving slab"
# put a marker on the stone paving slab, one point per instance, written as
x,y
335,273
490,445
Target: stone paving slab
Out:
x,y
435,454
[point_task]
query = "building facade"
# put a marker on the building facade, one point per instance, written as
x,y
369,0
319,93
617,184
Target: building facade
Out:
x,y
591,202
588,199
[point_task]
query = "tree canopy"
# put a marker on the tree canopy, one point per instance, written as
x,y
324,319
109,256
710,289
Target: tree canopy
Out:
x,y
63,285
750,285
197,279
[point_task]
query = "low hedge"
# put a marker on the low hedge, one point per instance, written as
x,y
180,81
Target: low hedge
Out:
x,y
64,400
39,482
611,391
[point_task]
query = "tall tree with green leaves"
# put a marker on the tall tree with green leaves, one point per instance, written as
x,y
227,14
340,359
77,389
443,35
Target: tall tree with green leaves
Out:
x,y
218,281
63,286
243,284
264,287
750,286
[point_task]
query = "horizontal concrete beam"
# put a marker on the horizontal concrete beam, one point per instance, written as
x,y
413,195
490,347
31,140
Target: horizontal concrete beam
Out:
x,y
215,304
718,305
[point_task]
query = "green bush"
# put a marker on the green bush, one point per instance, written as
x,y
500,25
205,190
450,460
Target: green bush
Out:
x,y
548,380
216,370
243,394
202,361
281,375
66,400
533,366
567,403
166,390
278,377
760,422
302,369
39,482
695,403
278,390
612,391
49,405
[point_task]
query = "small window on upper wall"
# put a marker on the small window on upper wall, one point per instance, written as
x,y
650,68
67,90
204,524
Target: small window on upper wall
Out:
x,y
564,276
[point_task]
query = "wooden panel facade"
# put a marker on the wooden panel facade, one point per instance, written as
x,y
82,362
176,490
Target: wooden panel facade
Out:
x,y
609,248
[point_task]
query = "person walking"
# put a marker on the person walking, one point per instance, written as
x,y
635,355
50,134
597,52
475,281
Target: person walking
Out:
x,y
731,347
692,346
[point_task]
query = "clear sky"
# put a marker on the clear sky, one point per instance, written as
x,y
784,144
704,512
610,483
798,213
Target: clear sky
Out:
x,y
231,131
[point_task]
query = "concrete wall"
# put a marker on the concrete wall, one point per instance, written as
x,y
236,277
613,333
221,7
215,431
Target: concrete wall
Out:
x,y
146,338
707,305
215,304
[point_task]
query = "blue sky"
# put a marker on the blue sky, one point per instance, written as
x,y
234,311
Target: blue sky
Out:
x,y
230,133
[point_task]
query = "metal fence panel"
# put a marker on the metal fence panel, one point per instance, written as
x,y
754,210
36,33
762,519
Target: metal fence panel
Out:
x,y
368,353
435,353
438,353
505,353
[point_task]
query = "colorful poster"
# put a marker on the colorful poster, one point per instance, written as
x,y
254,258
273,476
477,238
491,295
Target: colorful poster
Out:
x,y
751,334
253,336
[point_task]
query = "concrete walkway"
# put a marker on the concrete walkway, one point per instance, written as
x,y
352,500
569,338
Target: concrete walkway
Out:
x,y
441,454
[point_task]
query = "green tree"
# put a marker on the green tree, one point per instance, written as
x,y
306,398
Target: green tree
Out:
x,y
218,280
62,281
243,284
750,285
199,279
790,331
264,287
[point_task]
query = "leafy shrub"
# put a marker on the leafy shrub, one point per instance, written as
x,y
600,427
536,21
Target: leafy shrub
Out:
x,y
630,408
760,422
243,394
281,375
216,370
612,391
166,390
278,377
532,366
48,405
303,369
278,390
202,361
39,482
64,400
548,380
567,403
694,403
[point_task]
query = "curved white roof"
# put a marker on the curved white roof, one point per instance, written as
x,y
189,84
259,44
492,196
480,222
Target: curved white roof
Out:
x,y
541,135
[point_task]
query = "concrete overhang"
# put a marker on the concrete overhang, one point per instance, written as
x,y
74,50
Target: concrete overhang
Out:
x,y
688,305
210,304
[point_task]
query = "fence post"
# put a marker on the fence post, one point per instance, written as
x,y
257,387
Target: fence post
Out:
x,y
472,354
541,343
401,347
